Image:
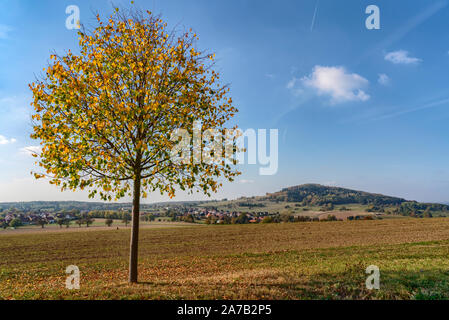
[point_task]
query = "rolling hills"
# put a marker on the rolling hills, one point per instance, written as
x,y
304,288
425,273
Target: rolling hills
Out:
x,y
298,199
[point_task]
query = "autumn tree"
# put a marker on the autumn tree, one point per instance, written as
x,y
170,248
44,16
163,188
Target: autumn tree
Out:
x,y
88,221
126,218
80,222
105,117
60,222
42,222
109,222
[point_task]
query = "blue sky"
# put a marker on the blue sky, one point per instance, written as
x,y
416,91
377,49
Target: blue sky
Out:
x,y
358,108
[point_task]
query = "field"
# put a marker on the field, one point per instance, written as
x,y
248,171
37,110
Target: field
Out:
x,y
314,260
99,224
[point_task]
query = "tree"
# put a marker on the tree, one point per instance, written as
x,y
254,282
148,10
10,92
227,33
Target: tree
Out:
x,y
241,219
114,118
80,222
67,223
42,222
109,222
16,222
60,222
189,218
88,221
287,217
267,219
126,218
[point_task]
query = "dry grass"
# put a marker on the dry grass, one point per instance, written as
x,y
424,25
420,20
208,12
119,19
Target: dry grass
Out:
x,y
273,261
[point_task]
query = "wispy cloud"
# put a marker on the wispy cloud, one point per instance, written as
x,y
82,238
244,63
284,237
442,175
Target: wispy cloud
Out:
x,y
30,150
314,16
4,140
401,57
4,30
245,181
335,82
418,108
383,79
294,85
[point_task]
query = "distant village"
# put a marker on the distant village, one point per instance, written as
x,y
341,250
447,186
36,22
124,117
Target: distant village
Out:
x,y
14,218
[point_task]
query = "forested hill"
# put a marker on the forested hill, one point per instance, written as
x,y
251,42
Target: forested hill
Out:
x,y
315,194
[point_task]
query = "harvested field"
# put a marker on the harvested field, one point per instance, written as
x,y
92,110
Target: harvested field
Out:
x,y
316,260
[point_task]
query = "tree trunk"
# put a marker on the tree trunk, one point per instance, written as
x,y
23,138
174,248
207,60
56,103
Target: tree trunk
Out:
x,y
134,232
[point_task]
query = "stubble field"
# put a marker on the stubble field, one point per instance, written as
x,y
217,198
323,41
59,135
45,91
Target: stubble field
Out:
x,y
314,260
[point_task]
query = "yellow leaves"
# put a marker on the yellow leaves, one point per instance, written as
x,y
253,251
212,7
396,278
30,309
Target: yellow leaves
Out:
x,y
38,176
121,96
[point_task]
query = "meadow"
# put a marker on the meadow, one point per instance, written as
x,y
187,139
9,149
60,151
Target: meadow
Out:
x,y
310,260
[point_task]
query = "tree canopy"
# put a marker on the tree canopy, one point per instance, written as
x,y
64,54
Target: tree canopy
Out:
x,y
139,109
106,115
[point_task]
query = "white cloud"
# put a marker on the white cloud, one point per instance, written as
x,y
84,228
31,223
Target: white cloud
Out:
x,y
401,57
4,30
292,85
383,79
31,150
4,140
336,82
245,181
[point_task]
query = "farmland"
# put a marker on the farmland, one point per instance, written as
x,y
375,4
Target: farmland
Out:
x,y
310,260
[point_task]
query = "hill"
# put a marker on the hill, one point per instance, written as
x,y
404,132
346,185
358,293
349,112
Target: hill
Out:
x,y
310,199
315,194
306,198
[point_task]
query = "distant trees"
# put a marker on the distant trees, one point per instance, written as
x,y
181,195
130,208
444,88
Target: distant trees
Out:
x,y
126,218
328,207
67,222
241,219
80,222
42,222
267,219
211,220
287,218
88,221
60,222
15,223
109,222
318,195
188,218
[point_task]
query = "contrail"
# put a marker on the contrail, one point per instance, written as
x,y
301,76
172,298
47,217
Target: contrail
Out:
x,y
314,15
425,106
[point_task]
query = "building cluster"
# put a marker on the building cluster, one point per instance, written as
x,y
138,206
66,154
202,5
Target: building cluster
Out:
x,y
30,218
219,216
